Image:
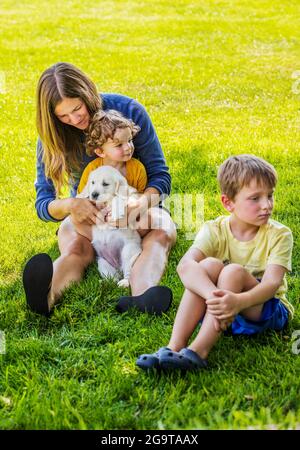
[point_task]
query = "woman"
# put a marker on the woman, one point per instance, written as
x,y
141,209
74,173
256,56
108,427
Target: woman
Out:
x,y
66,101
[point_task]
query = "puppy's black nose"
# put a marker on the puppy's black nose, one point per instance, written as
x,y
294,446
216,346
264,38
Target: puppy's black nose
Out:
x,y
95,195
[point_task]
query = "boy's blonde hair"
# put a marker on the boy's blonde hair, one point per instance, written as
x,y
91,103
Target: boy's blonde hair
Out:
x,y
103,126
238,171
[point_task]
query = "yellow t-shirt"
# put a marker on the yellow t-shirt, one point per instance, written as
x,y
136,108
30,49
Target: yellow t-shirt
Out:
x,y
136,175
272,244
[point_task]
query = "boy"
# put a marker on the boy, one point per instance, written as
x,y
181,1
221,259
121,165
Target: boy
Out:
x,y
234,273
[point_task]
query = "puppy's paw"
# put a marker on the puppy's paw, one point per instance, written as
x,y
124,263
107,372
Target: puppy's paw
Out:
x,y
124,283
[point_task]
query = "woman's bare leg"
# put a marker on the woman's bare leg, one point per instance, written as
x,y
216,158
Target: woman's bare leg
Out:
x,y
76,254
156,245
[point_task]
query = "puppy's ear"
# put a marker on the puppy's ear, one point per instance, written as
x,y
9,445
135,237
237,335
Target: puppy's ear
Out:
x,y
121,186
84,193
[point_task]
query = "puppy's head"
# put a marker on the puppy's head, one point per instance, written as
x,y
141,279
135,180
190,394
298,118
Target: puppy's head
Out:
x,y
103,184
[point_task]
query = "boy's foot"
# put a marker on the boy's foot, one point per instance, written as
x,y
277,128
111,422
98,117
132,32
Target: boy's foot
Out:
x,y
151,360
186,359
37,277
156,300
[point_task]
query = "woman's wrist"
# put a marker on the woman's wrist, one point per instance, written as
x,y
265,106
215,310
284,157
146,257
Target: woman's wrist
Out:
x,y
152,195
71,204
61,208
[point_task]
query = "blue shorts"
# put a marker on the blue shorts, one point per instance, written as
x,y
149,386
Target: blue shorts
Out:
x,y
274,316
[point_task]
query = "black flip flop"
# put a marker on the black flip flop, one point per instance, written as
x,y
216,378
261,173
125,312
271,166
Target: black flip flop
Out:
x,y
37,277
156,300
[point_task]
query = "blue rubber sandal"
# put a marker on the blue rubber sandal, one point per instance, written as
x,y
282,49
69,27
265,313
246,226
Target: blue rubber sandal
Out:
x,y
151,360
198,362
186,359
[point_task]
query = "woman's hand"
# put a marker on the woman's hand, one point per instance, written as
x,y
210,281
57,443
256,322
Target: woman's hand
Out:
x,y
83,211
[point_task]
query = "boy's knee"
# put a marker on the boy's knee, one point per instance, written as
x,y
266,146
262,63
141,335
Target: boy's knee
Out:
x,y
211,263
212,267
233,269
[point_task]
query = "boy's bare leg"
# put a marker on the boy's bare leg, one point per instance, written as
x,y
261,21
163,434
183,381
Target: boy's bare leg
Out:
x,y
235,279
207,337
190,311
201,278
192,306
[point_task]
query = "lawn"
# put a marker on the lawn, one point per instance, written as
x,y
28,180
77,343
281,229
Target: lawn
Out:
x,y
217,78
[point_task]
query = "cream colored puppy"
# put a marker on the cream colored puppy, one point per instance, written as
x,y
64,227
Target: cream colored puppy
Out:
x,y
116,248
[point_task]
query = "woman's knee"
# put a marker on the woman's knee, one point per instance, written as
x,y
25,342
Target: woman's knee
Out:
x,y
162,221
79,247
167,235
160,237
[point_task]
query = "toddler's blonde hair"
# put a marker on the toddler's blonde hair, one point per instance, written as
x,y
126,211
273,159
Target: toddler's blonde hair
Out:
x,y
103,126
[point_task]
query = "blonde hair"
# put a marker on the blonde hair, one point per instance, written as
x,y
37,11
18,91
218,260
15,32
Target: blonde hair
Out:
x,y
103,126
63,144
238,171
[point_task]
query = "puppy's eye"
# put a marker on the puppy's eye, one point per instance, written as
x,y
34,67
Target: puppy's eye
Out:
x,y
93,182
105,184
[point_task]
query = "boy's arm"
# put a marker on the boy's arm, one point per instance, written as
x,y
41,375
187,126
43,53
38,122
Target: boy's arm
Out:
x,y
193,276
193,255
188,265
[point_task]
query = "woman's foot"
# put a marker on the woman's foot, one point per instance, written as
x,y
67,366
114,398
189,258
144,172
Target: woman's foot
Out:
x,y
37,277
156,300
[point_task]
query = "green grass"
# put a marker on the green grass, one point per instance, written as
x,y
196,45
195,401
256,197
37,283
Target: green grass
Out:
x,y
216,79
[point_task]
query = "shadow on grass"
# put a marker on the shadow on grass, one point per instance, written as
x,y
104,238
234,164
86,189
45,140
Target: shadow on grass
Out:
x,y
86,319
80,301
